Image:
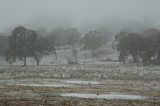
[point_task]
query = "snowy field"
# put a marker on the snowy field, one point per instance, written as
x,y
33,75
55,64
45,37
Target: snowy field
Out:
x,y
93,82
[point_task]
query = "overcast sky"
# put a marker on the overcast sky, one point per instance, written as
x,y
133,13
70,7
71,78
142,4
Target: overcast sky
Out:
x,y
74,12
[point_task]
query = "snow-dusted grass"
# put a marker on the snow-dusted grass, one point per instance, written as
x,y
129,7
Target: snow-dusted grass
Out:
x,y
90,78
97,71
65,54
50,83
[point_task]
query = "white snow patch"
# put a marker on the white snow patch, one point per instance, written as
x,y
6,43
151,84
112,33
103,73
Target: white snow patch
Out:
x,y
45,85
53,83
81,82
105,96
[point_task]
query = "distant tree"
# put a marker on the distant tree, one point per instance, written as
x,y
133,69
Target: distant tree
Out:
x,y
106,34
145,46
43,47
151,47
75,51
57,37
62,37
148,50
42,32
129,44
135,46
121,43
92,41
73,36
3,44
22,44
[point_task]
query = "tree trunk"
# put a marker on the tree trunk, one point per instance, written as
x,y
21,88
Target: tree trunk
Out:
x,y
158,59
38,58
37,62
124,60
137,61
134,59
25,60
154,59
93,53
55,55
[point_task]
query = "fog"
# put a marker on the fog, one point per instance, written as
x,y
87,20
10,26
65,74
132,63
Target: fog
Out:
x,y
83,14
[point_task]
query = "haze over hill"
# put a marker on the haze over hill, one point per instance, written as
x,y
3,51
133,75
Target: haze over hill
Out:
x,y
83,14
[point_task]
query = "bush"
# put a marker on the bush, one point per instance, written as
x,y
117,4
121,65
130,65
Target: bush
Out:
x,y
71,61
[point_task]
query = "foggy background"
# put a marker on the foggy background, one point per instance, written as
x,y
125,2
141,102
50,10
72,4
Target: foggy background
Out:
x,y
111,15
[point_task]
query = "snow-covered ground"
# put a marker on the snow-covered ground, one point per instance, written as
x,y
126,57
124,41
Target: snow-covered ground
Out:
x,y
90,78
104,54
105,96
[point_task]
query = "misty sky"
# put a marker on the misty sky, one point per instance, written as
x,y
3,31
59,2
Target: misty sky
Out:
x,y
75,12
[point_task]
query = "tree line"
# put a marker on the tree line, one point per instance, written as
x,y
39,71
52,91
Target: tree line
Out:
x,y
143,47
26,43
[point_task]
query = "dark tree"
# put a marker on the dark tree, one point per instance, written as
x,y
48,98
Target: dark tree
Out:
x,y
3,44
73,36
151,46
57,37
62,37
135,46
22,44
43,47
145,46
121,44
92,41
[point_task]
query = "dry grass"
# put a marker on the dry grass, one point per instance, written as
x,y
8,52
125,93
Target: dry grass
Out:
x,y
112,77
61,101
